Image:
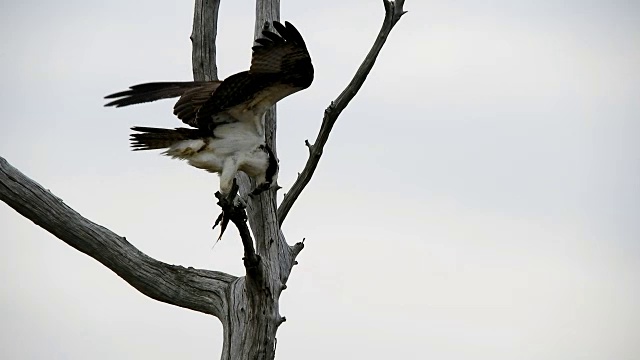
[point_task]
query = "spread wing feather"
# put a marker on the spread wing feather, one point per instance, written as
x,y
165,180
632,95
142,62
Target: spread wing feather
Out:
x,y
193,94
280,66
190,103
142,93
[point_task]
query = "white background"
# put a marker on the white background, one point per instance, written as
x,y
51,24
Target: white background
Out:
x,y
479,199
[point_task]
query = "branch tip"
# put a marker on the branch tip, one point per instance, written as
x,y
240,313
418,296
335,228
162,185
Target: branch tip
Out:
x,y
281,320
330,108
297,248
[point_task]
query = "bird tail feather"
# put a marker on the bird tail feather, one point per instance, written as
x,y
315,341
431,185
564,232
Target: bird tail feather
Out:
x,y
148,138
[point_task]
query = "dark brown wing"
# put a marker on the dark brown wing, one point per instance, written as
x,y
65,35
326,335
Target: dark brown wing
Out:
x,y
285,54
193,94
280,66
190,103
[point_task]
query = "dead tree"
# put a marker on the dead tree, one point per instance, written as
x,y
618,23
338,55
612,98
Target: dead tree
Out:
x,y
247,306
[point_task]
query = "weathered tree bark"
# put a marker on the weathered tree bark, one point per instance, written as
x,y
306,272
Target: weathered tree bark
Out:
x,y
248,306
203,38
199,290
255,302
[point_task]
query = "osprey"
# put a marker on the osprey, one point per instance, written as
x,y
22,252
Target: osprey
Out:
x,y
226,132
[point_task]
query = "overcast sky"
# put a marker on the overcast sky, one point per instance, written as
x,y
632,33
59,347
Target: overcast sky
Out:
x,y
478,199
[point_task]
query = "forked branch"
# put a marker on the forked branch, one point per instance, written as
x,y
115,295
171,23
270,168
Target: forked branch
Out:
x,y
200,290
393,12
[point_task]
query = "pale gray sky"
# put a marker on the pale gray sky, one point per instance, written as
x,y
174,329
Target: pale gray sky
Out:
x,y
479,199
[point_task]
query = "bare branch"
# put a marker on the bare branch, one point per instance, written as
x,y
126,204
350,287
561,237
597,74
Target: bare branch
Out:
x,y
297,248
393,12
203,39
200,290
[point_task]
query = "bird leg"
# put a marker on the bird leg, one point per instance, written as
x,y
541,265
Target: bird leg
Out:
x,y
230,208
227,175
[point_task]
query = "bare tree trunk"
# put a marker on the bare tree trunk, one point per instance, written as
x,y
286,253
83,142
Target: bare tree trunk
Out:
x,y
255,301
252,316
248,307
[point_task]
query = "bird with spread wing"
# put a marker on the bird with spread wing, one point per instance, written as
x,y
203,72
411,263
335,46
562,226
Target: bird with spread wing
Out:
x,y
226,132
